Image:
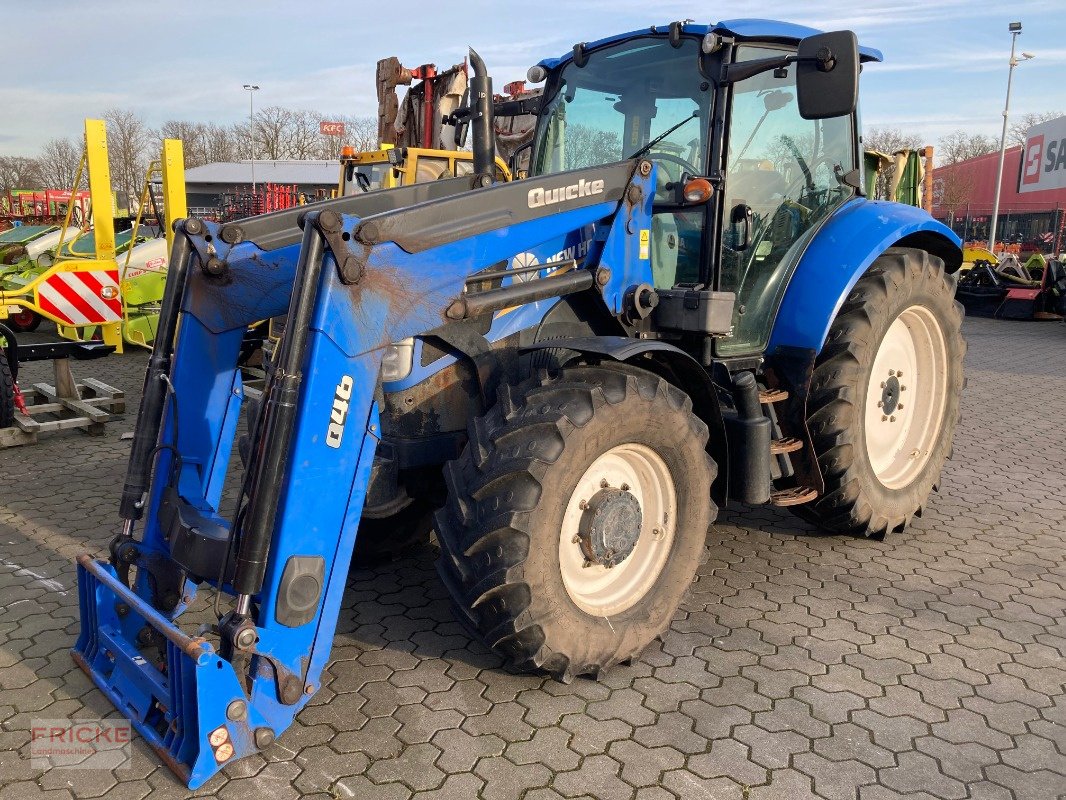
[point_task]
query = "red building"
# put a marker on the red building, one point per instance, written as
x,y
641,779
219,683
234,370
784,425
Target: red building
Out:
x,y
964,193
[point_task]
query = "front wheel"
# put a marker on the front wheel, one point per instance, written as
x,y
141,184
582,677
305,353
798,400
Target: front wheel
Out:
x,y
576,518
884,397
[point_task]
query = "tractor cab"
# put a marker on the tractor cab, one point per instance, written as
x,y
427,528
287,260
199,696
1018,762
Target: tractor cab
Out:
x,y
755,141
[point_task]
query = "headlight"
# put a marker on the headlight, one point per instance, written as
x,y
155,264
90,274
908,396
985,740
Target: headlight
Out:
x,y
398,360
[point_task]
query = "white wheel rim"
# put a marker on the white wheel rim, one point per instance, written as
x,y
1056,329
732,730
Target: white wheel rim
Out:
x,y
595,588
911,367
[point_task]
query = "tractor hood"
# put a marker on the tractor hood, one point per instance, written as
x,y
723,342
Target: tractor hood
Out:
x,y
762,30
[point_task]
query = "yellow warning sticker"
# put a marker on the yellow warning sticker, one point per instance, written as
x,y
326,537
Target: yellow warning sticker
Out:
x,y
645,243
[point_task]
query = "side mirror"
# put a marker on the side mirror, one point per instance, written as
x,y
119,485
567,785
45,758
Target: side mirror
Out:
x,y
827,75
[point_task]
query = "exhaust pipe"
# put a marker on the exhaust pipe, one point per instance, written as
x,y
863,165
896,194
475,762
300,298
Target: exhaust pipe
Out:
x,y
482,122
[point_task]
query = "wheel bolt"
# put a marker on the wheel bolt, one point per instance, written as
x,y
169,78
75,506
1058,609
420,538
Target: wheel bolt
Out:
x,y
884,418
576,539
583,504
880,403
891,372
899,373
903,388
899,407
604,484
657,532
883,384
625,487
891,419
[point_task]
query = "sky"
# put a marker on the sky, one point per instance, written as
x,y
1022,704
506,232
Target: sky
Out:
x,y
946,61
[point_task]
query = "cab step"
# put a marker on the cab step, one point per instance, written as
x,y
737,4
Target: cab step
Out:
x,y
795,496
789,444
767,396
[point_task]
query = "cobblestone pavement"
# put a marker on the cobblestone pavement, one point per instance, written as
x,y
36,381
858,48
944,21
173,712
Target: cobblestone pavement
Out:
x,y
927,666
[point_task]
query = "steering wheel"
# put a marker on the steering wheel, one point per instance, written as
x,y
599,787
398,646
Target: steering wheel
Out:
x,y
686,166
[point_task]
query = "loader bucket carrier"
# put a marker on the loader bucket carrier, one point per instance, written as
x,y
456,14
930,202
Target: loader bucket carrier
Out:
x,y
563,375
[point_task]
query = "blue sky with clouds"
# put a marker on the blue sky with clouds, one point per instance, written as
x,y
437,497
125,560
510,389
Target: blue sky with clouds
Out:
x,y
945,61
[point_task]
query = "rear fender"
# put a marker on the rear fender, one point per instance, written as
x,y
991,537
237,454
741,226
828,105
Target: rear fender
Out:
x,y
837,257
676,366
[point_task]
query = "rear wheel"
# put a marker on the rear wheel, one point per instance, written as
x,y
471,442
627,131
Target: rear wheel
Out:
x,y
884,398
576,518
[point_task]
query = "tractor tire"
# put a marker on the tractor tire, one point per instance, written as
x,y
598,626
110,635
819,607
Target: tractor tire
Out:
x,y
7,393
884,397
565,475
25,321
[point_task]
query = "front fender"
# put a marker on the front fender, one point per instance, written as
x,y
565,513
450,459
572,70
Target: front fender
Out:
x,y
840,253
679,368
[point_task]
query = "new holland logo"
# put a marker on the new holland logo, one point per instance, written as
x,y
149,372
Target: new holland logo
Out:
x,y
339,413
545,197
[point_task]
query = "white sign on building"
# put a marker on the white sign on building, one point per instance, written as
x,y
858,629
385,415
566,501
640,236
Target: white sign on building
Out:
x,y
1044,157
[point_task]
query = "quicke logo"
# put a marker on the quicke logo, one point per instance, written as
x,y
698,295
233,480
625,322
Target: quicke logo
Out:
x,y
545,197
339,413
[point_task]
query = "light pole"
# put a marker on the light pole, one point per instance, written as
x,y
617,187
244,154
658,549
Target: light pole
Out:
x,y
1015,28
251,89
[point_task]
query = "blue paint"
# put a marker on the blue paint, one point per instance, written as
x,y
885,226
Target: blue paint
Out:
x,y
763,30
321,494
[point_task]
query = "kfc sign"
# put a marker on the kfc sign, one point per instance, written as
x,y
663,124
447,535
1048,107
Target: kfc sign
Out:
x,y
331,128
1044,157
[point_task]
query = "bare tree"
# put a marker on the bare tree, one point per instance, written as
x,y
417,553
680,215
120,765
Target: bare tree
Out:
x,y
274,132
193,140
59,161
19,172
587,147
961,146
890,140
129,143
304,137
222,143
1017,133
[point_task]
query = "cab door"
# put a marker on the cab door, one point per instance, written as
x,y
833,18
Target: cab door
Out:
x,y
784,175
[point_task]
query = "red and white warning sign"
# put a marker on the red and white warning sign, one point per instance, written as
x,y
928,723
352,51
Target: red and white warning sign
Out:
x,y
82,298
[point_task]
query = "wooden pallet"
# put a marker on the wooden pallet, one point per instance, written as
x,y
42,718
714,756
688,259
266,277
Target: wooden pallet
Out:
x,y
86,404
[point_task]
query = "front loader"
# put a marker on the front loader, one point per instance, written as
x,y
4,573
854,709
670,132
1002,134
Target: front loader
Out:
x,y
690,301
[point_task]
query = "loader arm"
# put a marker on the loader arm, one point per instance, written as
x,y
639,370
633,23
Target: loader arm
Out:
x,y
365,271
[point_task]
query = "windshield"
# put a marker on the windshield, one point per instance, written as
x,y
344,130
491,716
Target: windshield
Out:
x,y
623,98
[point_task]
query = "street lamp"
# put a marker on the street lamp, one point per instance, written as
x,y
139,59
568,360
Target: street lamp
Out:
x,y
251,89
1015,28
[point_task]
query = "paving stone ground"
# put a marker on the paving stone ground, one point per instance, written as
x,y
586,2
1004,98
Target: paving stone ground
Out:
x,y
931,665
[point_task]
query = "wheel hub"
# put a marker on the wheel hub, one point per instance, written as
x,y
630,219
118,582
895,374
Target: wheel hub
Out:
x,y
890,394
610,526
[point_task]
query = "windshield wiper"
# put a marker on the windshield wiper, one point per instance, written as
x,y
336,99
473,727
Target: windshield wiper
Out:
x,y
662,136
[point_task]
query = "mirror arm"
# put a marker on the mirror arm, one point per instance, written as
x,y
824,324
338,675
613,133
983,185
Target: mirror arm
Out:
x,y
742,70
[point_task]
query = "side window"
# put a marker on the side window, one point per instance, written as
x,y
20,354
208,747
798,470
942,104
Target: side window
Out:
x,y
784,175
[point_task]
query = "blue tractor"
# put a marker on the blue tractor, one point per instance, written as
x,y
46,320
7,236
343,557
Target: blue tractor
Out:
x,y
688,301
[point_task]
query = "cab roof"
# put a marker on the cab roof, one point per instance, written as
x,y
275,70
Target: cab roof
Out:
x,y
763,30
